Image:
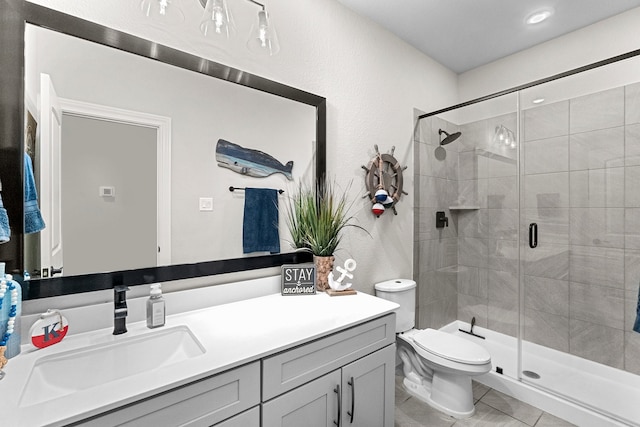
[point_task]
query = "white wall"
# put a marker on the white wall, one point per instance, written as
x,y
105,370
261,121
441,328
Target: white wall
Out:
x,y
614,36
371,79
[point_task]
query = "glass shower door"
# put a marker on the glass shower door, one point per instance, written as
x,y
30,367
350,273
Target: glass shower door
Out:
x,y
579,140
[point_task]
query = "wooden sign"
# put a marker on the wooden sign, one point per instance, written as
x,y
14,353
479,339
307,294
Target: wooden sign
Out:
x,y
298,279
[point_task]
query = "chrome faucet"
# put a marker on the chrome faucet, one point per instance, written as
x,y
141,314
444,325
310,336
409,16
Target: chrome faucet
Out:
x,y
120,309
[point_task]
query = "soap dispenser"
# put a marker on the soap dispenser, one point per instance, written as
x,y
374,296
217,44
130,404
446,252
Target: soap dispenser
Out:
x,y
155,307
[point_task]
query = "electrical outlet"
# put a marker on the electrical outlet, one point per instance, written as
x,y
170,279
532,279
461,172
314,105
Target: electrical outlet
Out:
x,y
206,204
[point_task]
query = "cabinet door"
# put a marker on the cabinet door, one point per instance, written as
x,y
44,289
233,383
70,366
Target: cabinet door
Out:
x,y
315,404
369,390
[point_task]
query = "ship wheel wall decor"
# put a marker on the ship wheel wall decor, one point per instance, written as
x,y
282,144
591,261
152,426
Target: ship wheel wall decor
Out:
x,y
384,182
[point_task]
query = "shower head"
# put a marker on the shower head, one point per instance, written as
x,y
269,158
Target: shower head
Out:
x,y
449,138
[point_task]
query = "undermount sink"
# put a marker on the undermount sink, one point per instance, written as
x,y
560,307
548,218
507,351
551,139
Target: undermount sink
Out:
x,y
69,372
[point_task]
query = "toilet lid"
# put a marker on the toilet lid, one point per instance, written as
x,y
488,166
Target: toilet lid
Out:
x,y
451,347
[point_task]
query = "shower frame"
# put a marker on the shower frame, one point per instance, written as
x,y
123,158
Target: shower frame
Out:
x,y
517,90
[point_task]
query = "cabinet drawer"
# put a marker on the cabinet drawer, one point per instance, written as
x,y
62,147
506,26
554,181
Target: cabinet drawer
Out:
x,y
292,368
250,418
202,403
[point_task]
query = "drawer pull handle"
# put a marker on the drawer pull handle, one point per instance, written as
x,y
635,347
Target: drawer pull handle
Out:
x,y
337,391
353,399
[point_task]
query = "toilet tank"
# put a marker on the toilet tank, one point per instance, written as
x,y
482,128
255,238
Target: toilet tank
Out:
x,y
403,293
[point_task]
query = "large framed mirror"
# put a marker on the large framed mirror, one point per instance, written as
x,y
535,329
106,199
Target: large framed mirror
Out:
x,y
251,111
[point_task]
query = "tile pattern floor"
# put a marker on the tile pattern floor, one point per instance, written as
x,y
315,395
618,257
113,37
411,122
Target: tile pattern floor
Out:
x,y
492,409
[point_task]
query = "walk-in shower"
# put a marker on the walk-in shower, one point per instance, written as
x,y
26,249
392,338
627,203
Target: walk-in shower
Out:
x,y
558,309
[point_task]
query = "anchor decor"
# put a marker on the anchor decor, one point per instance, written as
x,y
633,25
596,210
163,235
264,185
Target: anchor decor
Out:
x,y
384,182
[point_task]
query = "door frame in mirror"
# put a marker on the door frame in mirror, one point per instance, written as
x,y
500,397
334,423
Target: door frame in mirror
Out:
x,y
16,14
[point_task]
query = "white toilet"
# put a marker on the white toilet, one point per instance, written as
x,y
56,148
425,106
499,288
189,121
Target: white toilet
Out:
x,y
437,366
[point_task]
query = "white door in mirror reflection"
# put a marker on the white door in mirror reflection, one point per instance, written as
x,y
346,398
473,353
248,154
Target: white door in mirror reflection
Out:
x,y
50,163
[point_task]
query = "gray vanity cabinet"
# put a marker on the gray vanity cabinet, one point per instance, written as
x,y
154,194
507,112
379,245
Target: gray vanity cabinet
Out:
x,y
361,395
314,383
325,382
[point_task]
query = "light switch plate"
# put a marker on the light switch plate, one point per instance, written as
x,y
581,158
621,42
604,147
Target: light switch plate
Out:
x,y
206,204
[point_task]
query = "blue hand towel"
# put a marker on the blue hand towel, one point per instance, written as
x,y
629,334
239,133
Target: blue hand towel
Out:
x,y
636,326
33,221
260,224
5,230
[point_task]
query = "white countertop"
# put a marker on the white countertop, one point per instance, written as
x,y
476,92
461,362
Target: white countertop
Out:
x,y
232,334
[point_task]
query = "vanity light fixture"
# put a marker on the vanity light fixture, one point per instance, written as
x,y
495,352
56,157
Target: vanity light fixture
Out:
x,y
162,10
504,136
217,22
539,16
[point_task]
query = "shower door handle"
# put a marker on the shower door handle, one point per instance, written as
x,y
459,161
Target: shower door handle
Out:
x,y
533,235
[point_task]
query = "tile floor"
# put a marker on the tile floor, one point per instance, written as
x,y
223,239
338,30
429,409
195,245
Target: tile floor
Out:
x,y
492,409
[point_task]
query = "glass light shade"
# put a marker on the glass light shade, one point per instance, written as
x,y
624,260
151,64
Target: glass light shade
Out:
x,y
263,39
162,10
217,21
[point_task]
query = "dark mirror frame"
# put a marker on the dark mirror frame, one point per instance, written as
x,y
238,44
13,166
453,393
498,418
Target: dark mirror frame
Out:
x,y
15,15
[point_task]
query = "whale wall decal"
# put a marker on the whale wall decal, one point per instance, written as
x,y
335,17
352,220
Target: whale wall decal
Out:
x,y
247,161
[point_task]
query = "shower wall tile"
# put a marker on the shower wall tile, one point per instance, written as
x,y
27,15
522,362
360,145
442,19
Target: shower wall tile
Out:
x,y
503,286
597,266
597,149
597,304
547,190
468,165
631,185
437,286
489,167
632,228
597,111
632,270
472,223
597,227
438,313
632,103
502,316
500,193
475,134
597,188
468,192
472,252
501,223
588,340
631,352
503,255
547,260
470,306
546,121
553,225
547,295
546,155
546,329
473,281
632,145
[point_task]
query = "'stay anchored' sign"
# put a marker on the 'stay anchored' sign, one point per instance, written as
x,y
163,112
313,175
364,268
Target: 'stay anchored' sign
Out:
x,y
298,279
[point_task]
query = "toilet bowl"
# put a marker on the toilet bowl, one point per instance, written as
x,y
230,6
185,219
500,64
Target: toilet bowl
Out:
x,y
437,366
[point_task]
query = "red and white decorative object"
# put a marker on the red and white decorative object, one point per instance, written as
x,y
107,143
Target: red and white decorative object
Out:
x,y
49,329
384,182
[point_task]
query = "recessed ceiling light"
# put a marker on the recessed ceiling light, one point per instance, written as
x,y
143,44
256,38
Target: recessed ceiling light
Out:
x,y
539,16
538,101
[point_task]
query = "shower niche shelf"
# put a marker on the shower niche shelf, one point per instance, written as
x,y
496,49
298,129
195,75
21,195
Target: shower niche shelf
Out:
x,y
464,208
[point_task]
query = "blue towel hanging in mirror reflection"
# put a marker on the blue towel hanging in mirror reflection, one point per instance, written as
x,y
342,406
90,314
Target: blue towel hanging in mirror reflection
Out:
x,y
5,230
33,221
260,222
